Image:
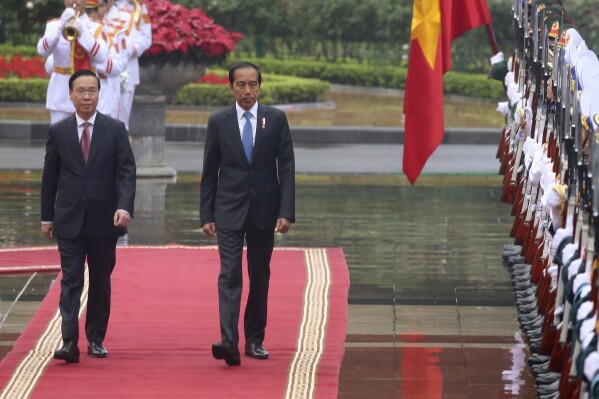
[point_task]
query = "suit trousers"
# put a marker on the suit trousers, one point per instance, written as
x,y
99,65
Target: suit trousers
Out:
x,y
260,245
101,259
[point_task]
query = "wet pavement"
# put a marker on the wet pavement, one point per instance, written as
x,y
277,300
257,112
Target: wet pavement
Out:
x,y
431,309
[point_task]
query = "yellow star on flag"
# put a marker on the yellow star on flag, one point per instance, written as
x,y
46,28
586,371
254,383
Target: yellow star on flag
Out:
x,y
426,28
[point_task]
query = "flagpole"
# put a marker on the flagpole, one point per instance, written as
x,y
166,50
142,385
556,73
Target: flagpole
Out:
x,y
491,36
489,28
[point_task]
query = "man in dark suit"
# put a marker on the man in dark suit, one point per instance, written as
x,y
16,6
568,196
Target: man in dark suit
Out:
x,y
247,192
87,196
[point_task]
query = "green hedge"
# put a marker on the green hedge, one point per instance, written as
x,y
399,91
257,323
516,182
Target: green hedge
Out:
x,y
348,73
275,89
360,74
23,90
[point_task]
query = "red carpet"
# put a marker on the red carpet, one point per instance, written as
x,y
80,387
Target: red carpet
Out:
x,y
165,318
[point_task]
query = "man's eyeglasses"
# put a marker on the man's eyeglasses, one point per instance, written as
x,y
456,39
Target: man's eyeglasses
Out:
x,y
90,92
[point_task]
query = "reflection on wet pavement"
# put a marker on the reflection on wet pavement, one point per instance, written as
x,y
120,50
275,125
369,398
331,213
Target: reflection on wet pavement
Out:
x,y
431,306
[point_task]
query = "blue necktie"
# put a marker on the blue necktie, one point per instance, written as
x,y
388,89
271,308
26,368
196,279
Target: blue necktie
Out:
x,y
247,136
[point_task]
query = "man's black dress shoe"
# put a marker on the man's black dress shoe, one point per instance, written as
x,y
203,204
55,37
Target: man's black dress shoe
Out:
x,y
69,352
227,352
256,351
95,349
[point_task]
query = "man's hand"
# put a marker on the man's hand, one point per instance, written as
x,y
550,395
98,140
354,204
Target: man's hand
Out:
x,y
209,229
66,16
47,230
283,225
121,218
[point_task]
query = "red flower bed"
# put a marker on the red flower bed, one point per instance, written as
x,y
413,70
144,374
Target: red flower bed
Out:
x,y
22,67
214,79
176,29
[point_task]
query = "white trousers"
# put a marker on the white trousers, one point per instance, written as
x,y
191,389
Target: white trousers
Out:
x,y
125,104
56,116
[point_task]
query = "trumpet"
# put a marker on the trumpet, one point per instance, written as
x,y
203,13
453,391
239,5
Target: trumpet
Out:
x,y
136,10
70,31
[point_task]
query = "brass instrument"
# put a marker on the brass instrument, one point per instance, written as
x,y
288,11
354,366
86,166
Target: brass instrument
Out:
x,y
69,31
136,10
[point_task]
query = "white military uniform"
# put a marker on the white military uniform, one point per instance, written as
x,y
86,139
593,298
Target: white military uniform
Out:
x,y
140,35
64,63
109,72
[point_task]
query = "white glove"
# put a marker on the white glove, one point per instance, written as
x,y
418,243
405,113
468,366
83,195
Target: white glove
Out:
x,y
503,108
497,58
66,16
591,365
124,79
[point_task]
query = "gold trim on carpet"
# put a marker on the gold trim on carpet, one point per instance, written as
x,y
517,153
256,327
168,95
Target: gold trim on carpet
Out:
x,y
301,380
32,366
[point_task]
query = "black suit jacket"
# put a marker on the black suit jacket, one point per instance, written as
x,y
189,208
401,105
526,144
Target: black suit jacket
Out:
x,y
231,186
72,190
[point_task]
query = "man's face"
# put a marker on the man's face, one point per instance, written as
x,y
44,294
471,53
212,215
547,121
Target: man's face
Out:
x,y
245,87
85,95
101,12
93,14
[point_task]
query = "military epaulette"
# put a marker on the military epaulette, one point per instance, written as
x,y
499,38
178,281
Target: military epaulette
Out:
x,y
146,18
53,20
98,31
596,120
586,122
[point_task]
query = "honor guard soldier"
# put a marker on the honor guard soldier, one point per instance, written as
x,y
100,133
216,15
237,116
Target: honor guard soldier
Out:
x,y
109,71
74,42
139,31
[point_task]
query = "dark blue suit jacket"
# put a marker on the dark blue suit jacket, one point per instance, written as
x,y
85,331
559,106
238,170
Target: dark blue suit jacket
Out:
x,y
231,185
72,190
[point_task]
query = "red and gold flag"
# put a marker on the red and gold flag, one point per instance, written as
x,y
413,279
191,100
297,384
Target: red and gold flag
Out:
x,y
435,23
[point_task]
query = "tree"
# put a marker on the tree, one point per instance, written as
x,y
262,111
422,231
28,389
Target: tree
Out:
x,y
24,21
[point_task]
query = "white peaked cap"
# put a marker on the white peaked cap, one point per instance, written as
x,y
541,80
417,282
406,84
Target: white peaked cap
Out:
x,y
574,39
580,50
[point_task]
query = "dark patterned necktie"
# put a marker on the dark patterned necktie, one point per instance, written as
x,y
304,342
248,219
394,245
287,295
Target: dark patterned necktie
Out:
x,y
85,141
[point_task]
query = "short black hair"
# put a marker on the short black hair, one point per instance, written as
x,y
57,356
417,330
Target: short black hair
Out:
x,y
82,72
241,65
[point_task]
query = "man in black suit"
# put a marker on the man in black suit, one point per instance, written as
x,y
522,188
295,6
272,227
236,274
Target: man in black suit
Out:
x,y
247,192
87,196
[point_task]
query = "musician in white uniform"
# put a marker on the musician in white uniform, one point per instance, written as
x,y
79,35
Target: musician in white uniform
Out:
x,y
85,50
139,31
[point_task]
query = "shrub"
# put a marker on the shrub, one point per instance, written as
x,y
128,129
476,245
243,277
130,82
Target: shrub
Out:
x,y
275,90
370,75
23,90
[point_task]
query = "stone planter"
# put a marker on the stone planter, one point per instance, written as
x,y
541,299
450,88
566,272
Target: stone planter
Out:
x,y
159,83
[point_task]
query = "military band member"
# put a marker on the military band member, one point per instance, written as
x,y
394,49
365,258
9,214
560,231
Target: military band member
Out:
x,y
109,71
82,48
139,31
